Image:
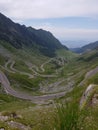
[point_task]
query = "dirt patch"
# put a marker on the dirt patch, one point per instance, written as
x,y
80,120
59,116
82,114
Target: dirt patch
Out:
x,y
94,100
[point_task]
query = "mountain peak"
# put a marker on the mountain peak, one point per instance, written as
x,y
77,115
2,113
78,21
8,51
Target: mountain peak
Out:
x,y
20,35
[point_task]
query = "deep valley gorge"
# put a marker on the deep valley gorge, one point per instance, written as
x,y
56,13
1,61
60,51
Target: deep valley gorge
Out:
x,y
43,84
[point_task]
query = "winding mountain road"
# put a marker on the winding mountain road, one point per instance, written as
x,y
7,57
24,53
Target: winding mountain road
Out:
x,y
88,75
13,70
36,99
42,75
42,66
24,73
91,73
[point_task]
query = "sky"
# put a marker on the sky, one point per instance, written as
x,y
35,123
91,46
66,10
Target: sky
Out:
x,y
68,20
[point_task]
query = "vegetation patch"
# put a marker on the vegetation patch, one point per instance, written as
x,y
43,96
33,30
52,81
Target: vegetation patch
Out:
x,y
24,82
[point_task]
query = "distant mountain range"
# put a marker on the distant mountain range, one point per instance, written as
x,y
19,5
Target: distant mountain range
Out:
x,y
20,35
75,43
86,48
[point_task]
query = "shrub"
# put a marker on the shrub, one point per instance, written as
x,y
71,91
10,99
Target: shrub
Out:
x,y
68,117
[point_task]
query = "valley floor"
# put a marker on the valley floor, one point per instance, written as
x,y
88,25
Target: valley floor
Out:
x,y
31,94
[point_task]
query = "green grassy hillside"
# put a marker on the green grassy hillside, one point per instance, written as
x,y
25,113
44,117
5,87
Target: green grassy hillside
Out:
x,y
19,36
34,74
44,86
29,72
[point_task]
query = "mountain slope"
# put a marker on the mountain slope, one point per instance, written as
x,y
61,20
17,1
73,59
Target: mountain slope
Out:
x,y
20,35
91,55
86,48
28,74
25,53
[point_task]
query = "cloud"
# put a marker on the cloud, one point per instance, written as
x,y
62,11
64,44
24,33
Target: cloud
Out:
x,y
22,10
70,34
86,34
28,9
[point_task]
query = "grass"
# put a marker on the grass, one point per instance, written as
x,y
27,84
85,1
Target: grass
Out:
x,y
66,54
8,47
50,68
10,103
70,117
30,54
21,66
37,119
23,81
93,79
91,112
3,125
2,60
66,116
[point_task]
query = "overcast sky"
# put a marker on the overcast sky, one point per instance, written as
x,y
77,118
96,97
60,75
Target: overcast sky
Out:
x,y
66,19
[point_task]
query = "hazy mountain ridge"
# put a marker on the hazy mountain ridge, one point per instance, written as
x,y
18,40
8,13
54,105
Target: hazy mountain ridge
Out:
x,y
86,48
19,35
